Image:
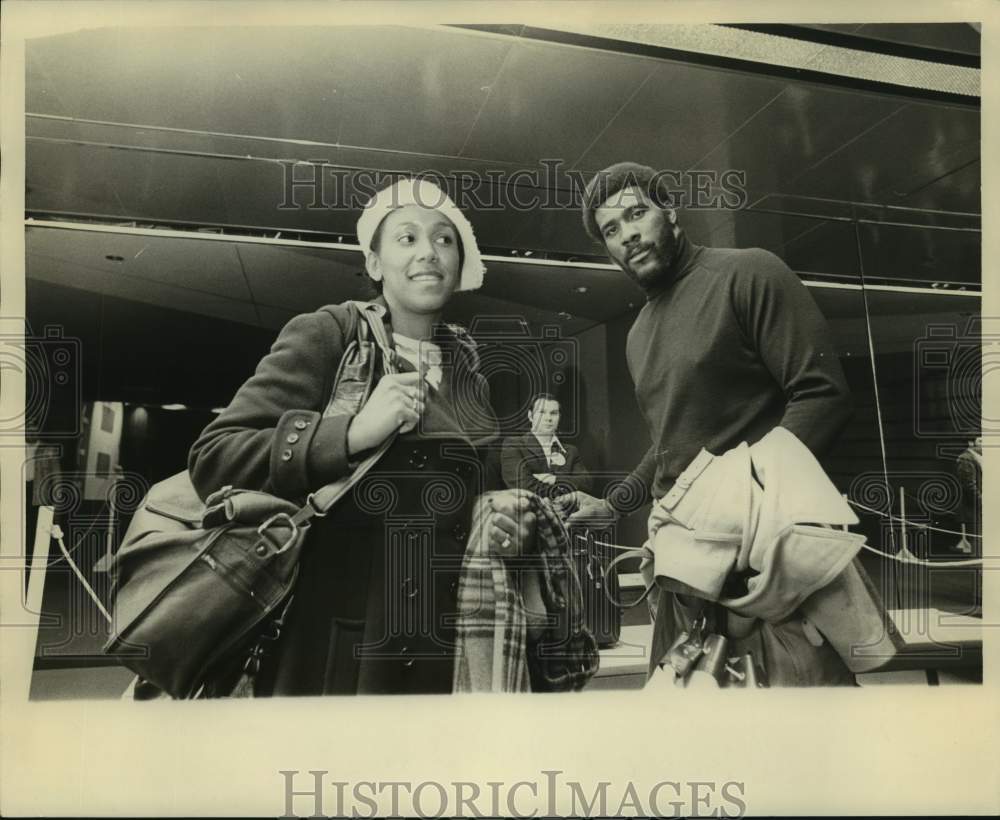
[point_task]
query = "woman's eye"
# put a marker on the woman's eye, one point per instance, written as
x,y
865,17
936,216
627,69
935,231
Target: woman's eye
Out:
x,y
405,238
444,239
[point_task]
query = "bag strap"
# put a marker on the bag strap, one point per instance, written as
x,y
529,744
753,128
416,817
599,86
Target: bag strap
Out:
x,y
319,502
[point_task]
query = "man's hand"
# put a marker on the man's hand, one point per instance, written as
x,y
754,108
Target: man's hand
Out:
x,y
510,526
585,508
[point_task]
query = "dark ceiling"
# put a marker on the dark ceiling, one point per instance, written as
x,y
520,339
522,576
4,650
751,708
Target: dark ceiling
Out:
x,y
197,128
188,125
949,38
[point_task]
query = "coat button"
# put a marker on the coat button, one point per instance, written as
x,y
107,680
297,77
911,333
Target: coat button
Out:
x,y
410,589
418,460
301,424
292,438
261,550
460,532
286,455
404,657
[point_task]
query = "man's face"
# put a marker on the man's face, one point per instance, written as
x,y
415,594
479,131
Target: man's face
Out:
x,y
638,235
545,417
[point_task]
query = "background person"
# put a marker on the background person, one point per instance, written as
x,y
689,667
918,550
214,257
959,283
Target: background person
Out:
x,y
538,461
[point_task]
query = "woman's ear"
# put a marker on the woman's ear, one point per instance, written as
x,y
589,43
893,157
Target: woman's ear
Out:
x,y
373,266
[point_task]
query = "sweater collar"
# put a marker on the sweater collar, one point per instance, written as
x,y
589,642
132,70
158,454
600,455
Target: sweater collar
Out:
x,y
684,262
444,334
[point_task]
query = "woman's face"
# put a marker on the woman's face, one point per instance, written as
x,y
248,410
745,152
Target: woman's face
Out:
x,y
417,255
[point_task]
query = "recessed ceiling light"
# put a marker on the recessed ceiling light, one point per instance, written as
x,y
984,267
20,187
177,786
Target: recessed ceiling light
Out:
x,y
173,407
581,289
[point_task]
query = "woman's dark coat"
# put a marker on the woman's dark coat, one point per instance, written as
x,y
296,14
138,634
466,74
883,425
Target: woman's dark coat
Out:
x,y
378,576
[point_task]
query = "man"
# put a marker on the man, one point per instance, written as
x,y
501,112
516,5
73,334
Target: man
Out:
x,y
538,460
728,346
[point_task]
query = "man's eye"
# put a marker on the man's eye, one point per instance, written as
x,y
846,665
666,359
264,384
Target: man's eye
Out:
x,y
638,212
609,232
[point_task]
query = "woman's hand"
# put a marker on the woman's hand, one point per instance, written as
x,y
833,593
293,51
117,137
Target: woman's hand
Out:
x,y
396,403
510,526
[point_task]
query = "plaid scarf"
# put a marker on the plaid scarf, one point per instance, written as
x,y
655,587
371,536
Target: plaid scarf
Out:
x,y
493,652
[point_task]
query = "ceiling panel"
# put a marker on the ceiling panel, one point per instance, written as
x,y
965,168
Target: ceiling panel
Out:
x,y
958,37
551,102
287,279
164,139
429,86
307,83
899,320
679,116
263,195
794,132
559,230
133,184
833,209
70,273
225,80
212,267
411,106
925,255
806,245
607,292
960,190
302,279
872,168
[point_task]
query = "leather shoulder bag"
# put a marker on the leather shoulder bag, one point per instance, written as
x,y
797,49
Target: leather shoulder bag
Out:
x,y
197,586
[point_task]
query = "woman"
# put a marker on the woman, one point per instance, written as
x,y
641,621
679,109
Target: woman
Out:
x,y
373,607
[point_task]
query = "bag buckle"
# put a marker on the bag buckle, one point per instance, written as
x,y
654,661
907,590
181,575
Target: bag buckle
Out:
x,y
744,672
287,519
317,512
687,649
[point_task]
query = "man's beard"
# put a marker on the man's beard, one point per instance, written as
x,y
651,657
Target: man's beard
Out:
x,y
663,253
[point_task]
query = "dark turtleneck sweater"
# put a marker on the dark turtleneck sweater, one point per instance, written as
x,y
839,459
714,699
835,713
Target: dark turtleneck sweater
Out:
x,y
730,346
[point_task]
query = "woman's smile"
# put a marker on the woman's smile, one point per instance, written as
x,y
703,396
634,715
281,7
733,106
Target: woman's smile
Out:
x,y
432,275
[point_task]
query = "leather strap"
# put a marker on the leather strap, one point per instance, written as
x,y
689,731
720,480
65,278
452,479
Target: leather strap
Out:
x,y
686,479
319,502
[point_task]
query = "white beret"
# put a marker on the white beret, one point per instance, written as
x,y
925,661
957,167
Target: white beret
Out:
x,y
422,192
